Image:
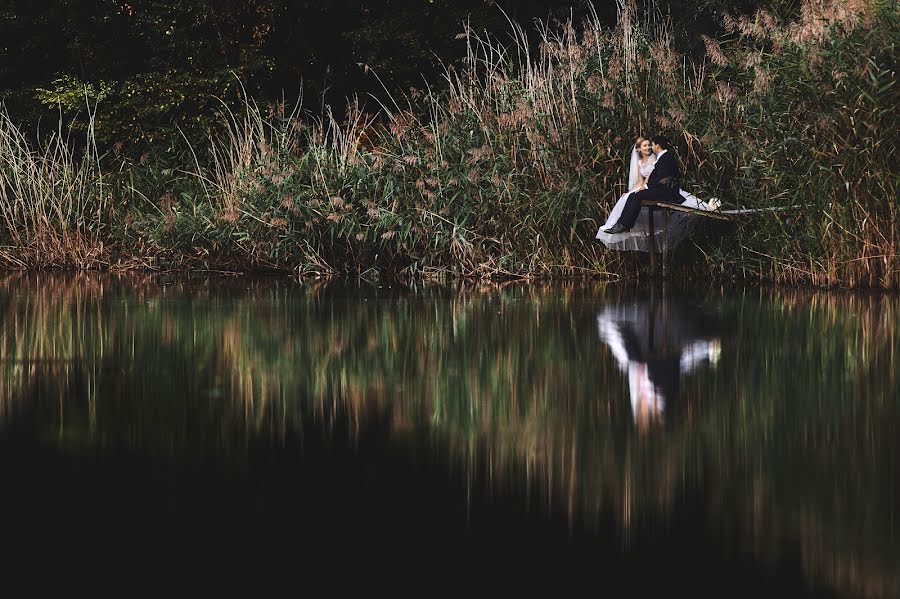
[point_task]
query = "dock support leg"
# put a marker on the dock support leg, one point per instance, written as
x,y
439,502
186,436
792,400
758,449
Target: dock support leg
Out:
x,y
665,248
652,244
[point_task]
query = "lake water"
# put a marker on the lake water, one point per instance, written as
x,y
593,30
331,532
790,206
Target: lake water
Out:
x,y
727,442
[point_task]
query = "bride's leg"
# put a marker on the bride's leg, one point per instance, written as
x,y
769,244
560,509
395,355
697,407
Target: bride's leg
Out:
x,y
616,212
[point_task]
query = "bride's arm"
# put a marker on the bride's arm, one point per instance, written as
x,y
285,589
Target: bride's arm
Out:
x,y
641,180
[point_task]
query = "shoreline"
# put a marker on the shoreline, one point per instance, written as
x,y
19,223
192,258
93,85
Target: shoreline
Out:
x,y
642,280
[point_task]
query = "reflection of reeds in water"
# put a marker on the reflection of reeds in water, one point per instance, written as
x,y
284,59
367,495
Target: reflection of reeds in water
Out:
x,y
802,440
513,383
36,345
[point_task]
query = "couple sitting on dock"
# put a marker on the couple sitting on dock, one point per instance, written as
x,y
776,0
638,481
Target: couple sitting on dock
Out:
x,y
654,175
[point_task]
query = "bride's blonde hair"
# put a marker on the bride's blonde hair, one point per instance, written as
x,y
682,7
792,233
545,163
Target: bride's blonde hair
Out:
x,y
638,141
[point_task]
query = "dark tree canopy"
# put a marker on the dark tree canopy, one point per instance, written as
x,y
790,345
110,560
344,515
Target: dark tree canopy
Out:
x,y
153,65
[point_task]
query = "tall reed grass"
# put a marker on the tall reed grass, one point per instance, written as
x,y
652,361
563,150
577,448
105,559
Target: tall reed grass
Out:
x,y
52,200
507,166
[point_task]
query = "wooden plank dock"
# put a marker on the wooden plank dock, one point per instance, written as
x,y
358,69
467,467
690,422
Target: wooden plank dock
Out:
x,y
726,215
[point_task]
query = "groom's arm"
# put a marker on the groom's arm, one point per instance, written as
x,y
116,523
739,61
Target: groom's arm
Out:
x,y
672,179
662,172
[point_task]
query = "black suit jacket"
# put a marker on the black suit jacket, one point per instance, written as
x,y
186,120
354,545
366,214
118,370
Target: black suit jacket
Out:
x,y
666,174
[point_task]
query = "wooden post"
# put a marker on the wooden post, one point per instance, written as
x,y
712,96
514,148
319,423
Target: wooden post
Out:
x,y
652,319
665,249
652,244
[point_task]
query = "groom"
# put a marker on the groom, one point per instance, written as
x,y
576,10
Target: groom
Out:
x,y
663,185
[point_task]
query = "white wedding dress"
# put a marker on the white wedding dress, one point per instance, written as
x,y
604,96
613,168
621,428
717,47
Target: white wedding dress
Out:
x,y
638,238
644,169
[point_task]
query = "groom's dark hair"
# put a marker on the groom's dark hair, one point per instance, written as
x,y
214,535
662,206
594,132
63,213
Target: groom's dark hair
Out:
x,y
662,140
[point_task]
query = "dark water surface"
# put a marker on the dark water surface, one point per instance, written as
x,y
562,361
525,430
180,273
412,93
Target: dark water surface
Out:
x,y
714,442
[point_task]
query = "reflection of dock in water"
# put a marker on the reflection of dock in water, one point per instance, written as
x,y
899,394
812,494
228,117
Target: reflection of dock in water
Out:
x,y
655,343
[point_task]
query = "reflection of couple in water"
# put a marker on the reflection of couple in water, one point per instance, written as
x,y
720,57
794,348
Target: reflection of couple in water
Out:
x,y
654,345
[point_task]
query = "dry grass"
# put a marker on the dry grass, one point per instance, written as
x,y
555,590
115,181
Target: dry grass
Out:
x,y
52,201
508,167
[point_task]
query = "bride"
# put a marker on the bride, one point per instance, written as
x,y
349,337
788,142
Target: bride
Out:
x,y
642,162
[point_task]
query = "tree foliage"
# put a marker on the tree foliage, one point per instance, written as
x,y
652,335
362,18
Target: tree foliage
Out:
x,y
156,67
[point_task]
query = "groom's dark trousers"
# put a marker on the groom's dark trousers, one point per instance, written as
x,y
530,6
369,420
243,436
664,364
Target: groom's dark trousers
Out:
x,y
662,186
